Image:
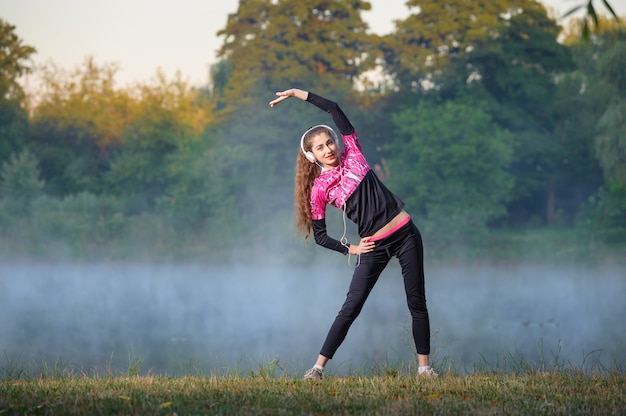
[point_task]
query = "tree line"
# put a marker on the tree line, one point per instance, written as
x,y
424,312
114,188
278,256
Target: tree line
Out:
x,y
475,113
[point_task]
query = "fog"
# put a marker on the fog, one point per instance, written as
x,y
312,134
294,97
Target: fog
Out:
x,y
183,319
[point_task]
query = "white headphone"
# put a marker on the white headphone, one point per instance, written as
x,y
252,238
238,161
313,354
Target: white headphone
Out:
x,y
309,155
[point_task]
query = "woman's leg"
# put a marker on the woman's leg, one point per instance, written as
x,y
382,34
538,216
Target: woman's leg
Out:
x,y
321,361
363,280
411,257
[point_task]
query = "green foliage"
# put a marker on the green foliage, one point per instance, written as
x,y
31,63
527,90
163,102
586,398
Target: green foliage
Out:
x,y
520,69
70,159
14,127
14,63
603,84
220,73
85,100
138,168
204,185
613,60
511,66
604,215
451,166
82,222
319,38
14,57
170,114
437,32
19,185
577,173
611,127
78,115
322,44
611,141
486,122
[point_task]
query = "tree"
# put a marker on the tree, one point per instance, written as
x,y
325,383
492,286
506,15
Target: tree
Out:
x,y
608,57
77,117
512,64
600,86
219,75
319,43
204,184
576,173
611,128
14,63
521,69
14,126
14,58
86,98
169,114
269,46
19,184
437,31
451,162
79,225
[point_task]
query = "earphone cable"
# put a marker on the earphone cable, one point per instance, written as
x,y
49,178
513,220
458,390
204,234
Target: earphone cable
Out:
x,y
344,238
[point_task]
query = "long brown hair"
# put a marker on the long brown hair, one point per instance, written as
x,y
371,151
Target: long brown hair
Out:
x,y
306,172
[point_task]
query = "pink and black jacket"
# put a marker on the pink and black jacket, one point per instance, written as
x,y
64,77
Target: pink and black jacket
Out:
x,y
352,186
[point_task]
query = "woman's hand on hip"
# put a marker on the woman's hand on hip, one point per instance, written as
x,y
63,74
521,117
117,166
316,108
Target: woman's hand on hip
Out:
x,y
365,246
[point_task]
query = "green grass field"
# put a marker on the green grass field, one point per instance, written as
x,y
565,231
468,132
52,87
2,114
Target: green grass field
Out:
x,y
534,393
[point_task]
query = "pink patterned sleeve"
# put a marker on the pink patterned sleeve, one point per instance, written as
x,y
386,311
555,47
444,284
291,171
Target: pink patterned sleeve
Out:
x,y
351,142
318,203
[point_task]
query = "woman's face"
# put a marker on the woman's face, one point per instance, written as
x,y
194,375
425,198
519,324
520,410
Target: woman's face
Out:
x,y
325,150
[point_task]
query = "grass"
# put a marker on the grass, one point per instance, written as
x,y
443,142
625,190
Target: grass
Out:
x,y
559,392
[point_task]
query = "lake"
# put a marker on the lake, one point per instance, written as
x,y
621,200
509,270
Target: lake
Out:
x,y
183,319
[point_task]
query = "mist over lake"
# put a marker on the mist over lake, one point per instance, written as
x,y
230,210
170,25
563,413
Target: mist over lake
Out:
x,y
178,319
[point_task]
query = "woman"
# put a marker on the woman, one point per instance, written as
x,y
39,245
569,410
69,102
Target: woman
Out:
x,y
346,181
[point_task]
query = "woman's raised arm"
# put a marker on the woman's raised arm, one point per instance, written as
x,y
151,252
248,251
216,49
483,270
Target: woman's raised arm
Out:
x,y
292,92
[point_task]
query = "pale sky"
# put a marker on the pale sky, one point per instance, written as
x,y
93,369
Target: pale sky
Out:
x,y
144,35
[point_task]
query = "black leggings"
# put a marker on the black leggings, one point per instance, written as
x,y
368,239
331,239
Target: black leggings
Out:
x,y
406,245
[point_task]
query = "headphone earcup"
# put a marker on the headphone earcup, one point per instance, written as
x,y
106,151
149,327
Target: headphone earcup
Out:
x,y
310,157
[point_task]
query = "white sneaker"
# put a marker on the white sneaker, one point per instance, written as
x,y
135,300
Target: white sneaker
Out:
x,y
429,373
314,374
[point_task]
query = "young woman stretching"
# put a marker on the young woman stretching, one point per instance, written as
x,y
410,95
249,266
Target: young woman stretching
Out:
x,y
346,181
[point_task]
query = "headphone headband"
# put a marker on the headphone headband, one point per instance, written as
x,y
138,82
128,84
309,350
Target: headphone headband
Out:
x,y
309,155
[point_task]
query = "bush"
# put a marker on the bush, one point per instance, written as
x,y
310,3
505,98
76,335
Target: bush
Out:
x,y
84,221
19,185
605,215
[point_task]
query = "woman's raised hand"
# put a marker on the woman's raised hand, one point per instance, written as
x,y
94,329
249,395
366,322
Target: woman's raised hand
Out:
x,y
292,92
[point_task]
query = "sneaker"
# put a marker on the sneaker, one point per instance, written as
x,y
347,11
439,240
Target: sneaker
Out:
x,y
313,374
429,373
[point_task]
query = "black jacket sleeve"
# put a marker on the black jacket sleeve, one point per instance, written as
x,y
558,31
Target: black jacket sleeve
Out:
x,y
332,108
322,238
